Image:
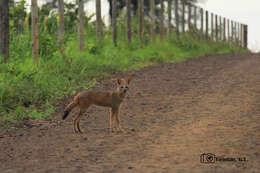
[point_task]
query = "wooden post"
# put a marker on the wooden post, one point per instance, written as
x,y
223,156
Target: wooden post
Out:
x,y
241,35
4,30
114,23
99,28
195,18
224,29
228,28
189,16
201,22
35,31
152,15
177,17
207,24
220,28
81,25
212,26
169,11
235,34
61,21
161,20
238,34
141,20
216,26
183,16
128,21
232,31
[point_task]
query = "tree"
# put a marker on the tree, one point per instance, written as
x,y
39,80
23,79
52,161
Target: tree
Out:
x,y
35,30
114,16
61,21
4,29
128,20
81,24
99,28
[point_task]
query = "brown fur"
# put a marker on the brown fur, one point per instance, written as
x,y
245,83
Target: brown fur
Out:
x,y
112,100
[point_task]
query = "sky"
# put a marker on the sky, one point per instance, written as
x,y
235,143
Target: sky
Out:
x,y
243,11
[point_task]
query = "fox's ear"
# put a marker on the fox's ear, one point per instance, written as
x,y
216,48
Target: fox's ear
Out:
x,y
128,80
118,81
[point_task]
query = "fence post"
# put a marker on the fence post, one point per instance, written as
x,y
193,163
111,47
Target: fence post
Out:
x,y
61,21
235,32
114,16
228,28
189,16
161,20
216,26
232,31
128,21
241,35
183,16
177,18
212,26
4,30
195,18
141,19
245,36
207,24
220,28
152,15
35,32
169,12
99,29
201,22
224,27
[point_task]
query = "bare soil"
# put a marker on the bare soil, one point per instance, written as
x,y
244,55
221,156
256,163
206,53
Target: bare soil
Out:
x,y
173,113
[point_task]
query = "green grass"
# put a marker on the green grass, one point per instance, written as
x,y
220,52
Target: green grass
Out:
x,y
29,89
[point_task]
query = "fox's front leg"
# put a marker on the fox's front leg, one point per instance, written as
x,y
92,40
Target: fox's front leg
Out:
x,y
118,121
111,122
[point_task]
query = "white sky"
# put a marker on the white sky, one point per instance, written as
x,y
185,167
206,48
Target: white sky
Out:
x,y
243,11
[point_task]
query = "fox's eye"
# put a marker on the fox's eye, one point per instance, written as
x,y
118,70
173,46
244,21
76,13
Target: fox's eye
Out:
x,y
126,87
122,87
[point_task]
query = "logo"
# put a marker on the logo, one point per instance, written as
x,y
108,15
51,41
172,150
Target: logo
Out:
x,y
212,158
207,158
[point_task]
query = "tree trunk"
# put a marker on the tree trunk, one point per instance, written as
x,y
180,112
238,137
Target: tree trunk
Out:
x,y
183,16
216,26
189,16
195,18
152,15
141,19
177,18
81,24
4,29
207,24
128,20
99,29
161,20
212,26
114,16
224,29
35,33
61,21
170,17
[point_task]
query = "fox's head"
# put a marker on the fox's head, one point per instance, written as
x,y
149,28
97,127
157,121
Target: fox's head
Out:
x,y
123,85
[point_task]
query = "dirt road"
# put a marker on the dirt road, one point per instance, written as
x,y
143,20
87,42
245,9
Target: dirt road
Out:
x,y
173,114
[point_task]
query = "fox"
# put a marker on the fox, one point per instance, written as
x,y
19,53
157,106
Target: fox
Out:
x,y
112,100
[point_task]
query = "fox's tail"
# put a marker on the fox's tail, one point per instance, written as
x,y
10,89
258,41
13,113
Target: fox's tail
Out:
x,y
70,106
